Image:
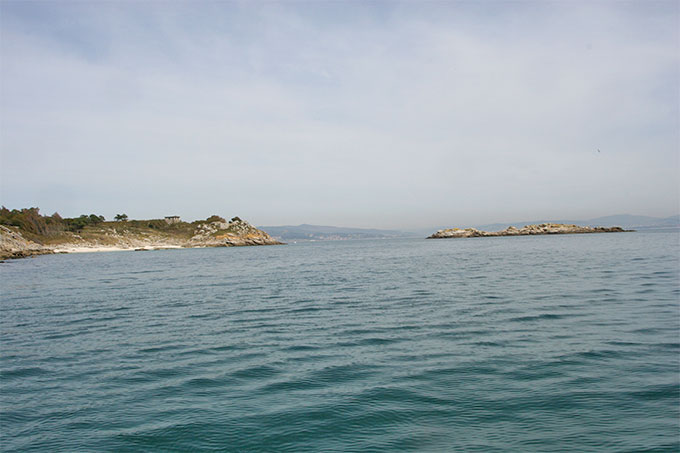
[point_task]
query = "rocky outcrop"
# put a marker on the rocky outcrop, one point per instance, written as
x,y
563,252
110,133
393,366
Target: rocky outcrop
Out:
x,y
111,237
235,233
528,230
14,245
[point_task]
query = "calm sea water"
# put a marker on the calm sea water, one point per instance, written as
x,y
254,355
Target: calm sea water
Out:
x,y
549,343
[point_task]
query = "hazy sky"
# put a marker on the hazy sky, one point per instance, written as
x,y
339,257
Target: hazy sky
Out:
x,y
375,114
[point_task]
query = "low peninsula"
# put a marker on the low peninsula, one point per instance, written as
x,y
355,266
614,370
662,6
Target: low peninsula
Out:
x,y
528,230
26,233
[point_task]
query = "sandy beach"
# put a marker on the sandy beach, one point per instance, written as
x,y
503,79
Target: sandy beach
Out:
x,y
85,249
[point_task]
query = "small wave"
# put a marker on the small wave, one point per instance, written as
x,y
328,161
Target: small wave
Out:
x,y
658,392
256,372
23,372
307,309
300,347
600,355
544,316
373,341
162,348
58,336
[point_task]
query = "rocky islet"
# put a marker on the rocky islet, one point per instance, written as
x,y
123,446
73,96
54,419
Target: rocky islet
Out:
x,y
528,230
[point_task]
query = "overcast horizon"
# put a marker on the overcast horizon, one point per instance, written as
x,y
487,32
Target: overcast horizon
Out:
x,y
395,115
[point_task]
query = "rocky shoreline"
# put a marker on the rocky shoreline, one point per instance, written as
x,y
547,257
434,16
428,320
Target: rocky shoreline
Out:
x,y
528,230
14,245
215,233
219,233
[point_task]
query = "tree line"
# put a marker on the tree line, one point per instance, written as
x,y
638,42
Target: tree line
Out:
x,y
30,220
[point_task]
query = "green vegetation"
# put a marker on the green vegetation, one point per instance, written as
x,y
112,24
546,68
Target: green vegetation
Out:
x,y
81,222
93,231
31,222
55,229
179,229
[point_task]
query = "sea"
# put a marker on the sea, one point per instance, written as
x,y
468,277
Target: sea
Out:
x,y
522,344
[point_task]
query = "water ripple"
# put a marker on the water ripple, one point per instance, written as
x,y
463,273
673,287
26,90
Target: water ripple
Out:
x,y
561,343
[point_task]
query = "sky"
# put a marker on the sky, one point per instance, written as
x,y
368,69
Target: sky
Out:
x,y
378,114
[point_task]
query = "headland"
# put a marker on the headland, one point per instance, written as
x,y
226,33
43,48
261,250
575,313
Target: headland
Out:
x,y
26,233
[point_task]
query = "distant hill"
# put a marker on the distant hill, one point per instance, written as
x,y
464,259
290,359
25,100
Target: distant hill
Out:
x,y
622,220
627,221
640,221
328,233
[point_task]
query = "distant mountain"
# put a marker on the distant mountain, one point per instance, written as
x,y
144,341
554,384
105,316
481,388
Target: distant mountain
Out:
x,y
622,220
328,233
640,221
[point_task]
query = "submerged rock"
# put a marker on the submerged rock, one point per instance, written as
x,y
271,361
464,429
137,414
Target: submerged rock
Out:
x,y
528,230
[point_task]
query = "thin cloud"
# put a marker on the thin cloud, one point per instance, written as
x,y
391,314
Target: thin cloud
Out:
x,y
383,115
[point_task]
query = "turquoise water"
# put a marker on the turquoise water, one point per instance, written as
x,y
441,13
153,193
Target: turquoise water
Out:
x,y
548,343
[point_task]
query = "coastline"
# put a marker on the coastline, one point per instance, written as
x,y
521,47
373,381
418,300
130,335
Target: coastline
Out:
x,y
16,242
78,249
95,249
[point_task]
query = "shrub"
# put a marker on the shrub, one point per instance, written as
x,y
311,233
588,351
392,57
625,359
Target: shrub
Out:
x,y
29,220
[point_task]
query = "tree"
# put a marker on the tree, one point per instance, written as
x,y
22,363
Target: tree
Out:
x,y
120,217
